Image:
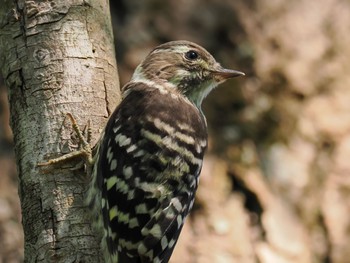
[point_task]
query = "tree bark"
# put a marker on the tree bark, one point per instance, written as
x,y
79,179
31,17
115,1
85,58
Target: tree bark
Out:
x,y
56,57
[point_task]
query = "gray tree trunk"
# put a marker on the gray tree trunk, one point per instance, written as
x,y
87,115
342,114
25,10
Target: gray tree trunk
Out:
x,y
56,57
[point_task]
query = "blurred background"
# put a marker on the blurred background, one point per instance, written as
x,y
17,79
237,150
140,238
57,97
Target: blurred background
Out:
x,y
275,186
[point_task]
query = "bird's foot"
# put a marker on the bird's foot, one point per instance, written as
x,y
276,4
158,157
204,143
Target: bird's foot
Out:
x,y
84,151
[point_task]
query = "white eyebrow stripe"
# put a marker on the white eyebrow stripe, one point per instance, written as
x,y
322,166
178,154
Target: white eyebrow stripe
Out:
x,y
177,49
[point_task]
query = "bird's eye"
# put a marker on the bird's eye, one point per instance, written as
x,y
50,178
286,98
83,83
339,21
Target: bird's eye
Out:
x,y
191,55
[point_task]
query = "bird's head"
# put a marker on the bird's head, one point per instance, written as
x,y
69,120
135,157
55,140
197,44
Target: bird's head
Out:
x,y
186,66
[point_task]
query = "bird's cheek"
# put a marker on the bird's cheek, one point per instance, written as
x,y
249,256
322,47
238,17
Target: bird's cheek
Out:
x,y
218,79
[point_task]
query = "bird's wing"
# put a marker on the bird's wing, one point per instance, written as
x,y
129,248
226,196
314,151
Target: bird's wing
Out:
x,y
143,204
163,230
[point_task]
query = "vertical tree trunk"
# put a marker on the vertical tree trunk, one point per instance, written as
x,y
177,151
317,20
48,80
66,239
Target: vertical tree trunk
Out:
x,y
56,57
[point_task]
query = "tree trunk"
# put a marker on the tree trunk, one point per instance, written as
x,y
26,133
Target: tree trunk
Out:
x,y
56,57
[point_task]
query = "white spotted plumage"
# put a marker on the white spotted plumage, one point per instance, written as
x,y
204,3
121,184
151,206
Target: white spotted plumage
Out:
x,y
148,161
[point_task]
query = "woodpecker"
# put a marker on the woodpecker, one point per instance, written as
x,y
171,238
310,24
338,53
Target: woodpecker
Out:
x,y
148,160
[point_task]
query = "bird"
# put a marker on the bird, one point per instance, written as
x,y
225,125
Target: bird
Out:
x,y
148,161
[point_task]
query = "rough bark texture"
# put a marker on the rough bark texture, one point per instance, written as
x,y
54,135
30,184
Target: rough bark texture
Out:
x,y
56,57
275,183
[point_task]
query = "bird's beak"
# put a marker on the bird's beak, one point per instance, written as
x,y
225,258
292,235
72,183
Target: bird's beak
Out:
x,y
221,74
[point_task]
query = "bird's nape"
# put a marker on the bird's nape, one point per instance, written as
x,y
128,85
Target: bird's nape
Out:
x,y
149,159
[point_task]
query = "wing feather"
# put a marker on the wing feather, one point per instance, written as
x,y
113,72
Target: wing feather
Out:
x,y
146,175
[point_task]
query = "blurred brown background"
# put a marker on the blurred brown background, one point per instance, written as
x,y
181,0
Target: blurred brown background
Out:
x,y
275,186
